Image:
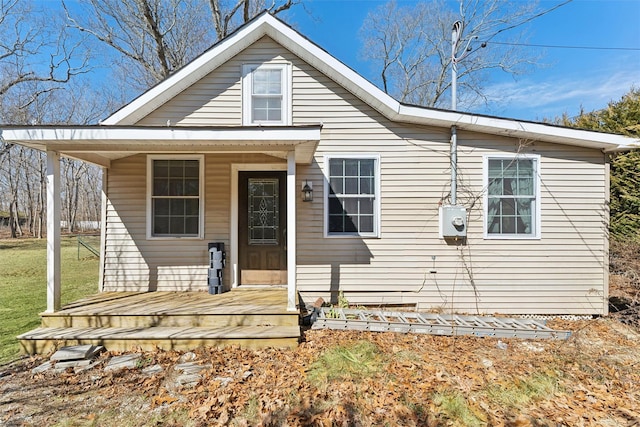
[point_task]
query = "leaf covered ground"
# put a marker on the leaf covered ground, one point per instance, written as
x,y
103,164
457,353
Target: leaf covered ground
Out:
x,y
348,378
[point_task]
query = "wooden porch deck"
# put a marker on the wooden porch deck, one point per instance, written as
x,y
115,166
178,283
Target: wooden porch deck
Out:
x,y
252,318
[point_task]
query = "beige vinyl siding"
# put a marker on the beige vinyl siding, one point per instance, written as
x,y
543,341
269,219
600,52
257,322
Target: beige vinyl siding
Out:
x,y
134,263
560,273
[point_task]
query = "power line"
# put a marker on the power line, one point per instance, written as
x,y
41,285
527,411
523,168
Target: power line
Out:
x,y
538,15
569,47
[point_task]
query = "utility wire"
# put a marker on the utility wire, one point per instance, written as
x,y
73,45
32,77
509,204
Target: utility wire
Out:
x,y
569,47
528,19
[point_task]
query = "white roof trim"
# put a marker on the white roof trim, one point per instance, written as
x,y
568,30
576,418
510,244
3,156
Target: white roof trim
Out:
x,y
140,134
99,144
360,87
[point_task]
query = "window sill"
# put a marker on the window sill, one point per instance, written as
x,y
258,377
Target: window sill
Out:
x,y
511,237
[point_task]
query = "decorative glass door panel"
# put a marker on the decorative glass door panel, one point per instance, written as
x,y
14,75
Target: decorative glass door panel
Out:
x,y
262,223
264,211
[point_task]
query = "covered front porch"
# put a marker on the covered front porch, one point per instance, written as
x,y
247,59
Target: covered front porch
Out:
x,y
120,321
133,259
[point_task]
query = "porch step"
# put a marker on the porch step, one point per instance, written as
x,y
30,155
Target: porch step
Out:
x,y
45,339
251,318
167,320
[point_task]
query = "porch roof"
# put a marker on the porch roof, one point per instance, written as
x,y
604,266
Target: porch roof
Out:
x,y
102,144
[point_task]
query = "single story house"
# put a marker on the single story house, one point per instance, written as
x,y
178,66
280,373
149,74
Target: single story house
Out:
x,y
316,180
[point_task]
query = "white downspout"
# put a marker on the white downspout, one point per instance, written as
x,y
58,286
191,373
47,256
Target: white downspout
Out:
x,y
455,39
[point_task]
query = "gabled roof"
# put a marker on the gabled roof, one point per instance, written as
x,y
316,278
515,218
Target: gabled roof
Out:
x,y
267,25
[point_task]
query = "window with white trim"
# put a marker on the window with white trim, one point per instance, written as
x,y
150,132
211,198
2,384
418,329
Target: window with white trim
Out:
x,y
175,196
265,89
512,207
352,201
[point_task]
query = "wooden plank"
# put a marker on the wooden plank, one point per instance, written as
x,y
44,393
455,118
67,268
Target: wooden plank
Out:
x,y
263,277
122,339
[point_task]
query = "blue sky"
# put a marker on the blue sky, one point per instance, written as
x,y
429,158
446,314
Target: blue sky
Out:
x,y
565,79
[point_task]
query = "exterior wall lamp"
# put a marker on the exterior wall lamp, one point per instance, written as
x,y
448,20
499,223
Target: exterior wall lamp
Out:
x,y
307,191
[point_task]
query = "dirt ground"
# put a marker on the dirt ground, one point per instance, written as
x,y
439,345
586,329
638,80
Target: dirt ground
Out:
x,y
353,379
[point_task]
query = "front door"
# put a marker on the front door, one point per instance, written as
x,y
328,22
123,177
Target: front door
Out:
x,y
262,234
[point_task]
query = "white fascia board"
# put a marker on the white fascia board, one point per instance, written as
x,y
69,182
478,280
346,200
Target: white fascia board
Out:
x,y
518,129
133,134
188,75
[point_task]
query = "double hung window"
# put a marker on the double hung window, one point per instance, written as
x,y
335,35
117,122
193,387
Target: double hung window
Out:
x,y
175,196
266,94
352,201
512,197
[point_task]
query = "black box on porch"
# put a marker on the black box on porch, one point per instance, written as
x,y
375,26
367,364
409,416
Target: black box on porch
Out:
x,y
217,261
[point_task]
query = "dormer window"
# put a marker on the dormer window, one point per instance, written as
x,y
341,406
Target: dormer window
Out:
x,y
266,94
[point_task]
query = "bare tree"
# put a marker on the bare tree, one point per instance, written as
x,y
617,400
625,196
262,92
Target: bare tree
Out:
x,y
40,70
411,47
156,37
32,50
226,15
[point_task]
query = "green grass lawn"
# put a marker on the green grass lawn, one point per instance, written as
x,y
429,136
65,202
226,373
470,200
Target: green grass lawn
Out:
x,y
23,285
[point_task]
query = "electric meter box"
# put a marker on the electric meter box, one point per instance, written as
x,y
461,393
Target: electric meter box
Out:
x,y
453,221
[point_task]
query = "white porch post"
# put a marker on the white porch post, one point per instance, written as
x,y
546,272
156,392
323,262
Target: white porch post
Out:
x,y
53,231
291,231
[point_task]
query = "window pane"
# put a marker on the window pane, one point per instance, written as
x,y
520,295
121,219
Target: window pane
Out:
x,y
161,207
366,206
176,207
191,187
507,186
495,168
508,207
351,206
366,185
366,224
161,225
336,224
366,167
336,167
510,168
191,169
351,167
351,186
495,187
191,225
274,115
192,207
161,168
350,225
335,206
336,186
525,187
508,225
524,224
176,225
525,167
160,187
176,169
